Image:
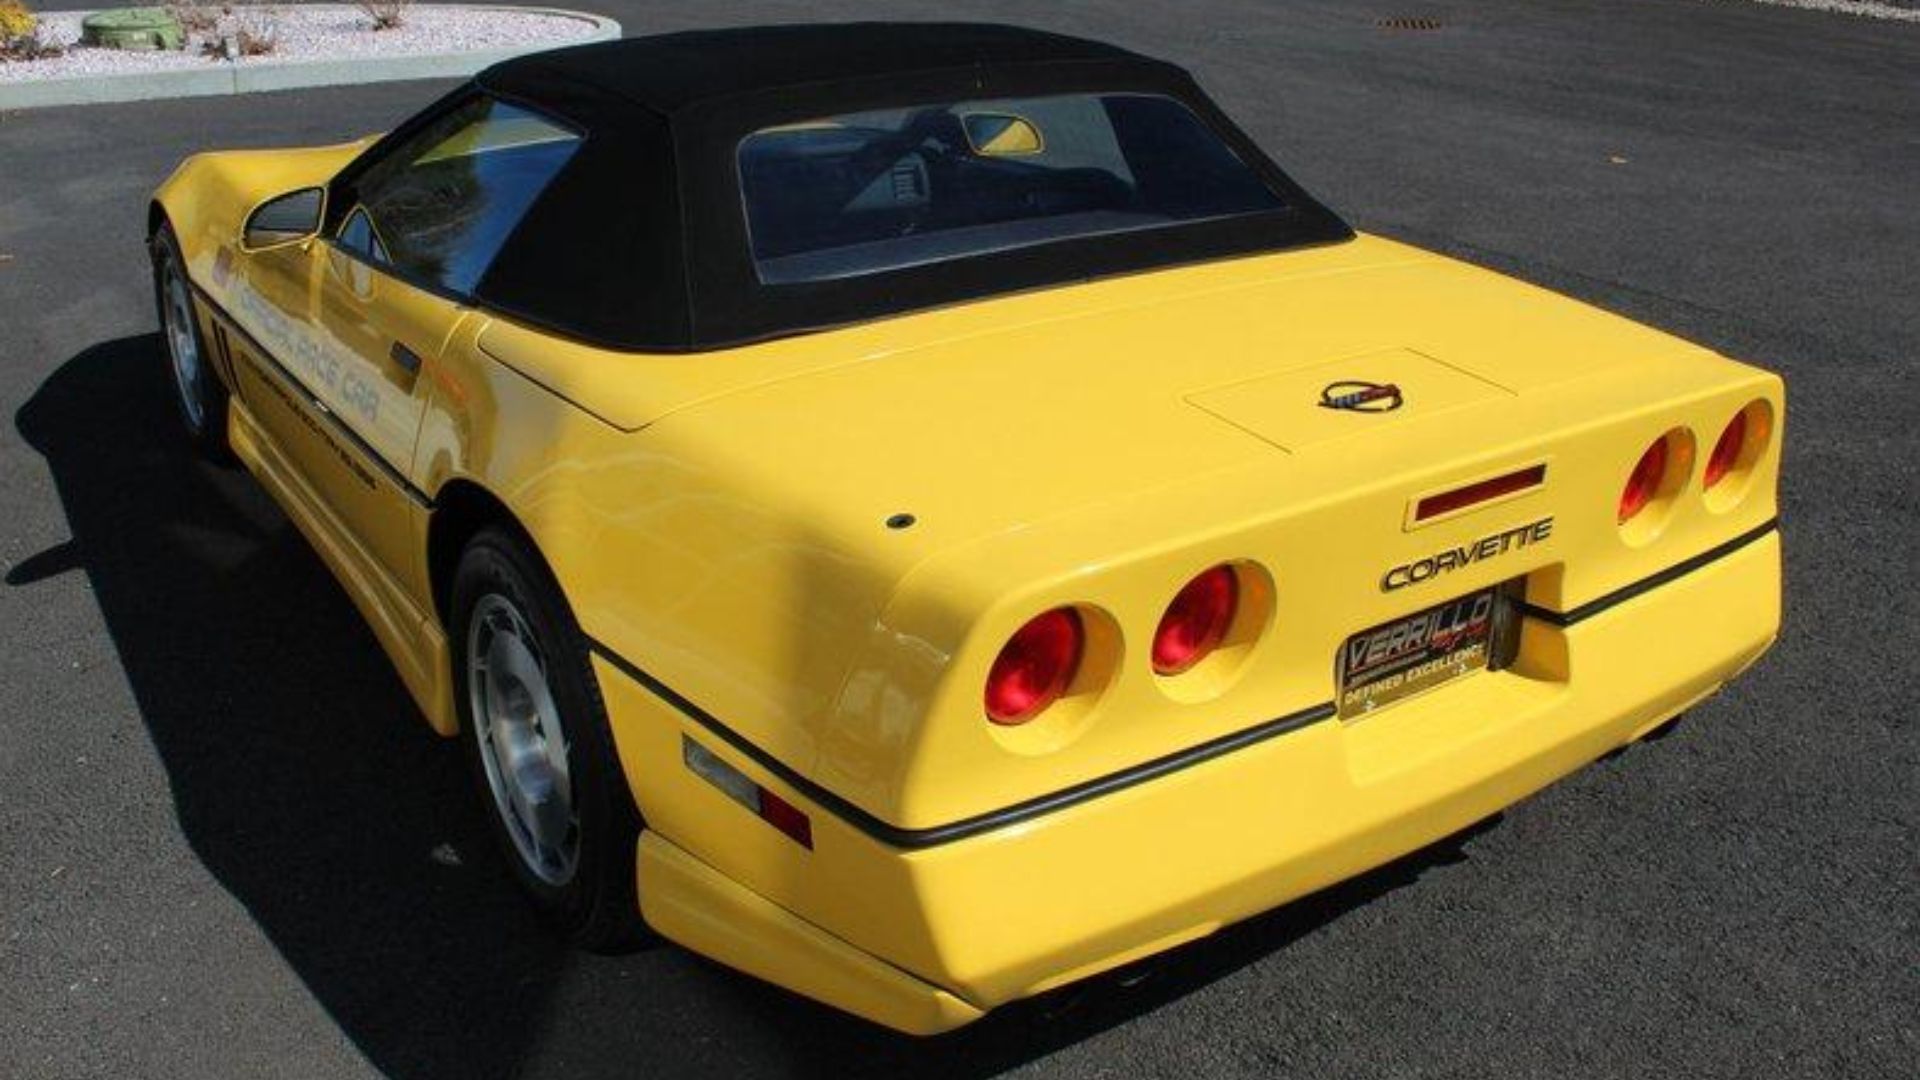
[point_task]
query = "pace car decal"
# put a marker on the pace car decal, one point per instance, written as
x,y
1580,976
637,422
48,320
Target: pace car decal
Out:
x,y
1487,547
305,415
299,349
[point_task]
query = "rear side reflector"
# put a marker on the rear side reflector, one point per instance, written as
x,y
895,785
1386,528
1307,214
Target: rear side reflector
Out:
x,y
1479,491
786,817
737,786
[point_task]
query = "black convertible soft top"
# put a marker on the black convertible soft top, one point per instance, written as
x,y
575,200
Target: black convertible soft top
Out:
x,y
672,72
640,242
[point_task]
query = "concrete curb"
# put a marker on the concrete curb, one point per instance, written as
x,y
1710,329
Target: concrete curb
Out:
x,y
257,75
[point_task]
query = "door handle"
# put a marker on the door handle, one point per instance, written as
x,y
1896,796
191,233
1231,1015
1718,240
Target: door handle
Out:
x,y
407,359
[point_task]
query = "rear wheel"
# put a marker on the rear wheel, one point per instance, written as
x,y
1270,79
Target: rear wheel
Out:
x,y
197,387
538,744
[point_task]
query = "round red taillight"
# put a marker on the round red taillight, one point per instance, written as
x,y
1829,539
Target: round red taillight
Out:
x,y
1035,666
1726,451
1196,621
1645,481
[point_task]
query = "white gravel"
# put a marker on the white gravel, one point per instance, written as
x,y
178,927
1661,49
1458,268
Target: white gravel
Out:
x,y
1869,9
309,32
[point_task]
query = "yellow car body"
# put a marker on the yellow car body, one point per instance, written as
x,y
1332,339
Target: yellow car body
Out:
x,y
720,526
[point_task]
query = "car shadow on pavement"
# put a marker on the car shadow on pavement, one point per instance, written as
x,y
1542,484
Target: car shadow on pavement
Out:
x,y
306,784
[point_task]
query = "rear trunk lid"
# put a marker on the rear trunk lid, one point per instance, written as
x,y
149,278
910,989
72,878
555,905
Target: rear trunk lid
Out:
x,y
1113,390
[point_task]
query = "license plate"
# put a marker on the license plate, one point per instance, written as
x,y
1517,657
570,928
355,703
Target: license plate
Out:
x,y
1398,659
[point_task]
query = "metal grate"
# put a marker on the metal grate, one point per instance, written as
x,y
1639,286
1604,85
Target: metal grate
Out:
x,y
1407,22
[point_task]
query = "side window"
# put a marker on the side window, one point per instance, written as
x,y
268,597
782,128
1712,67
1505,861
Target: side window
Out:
x,y
357,236
438,207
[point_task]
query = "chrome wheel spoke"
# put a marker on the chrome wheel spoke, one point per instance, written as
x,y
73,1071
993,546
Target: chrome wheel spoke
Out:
x,y
182,347
522,739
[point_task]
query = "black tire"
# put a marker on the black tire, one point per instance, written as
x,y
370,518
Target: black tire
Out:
x,y
595,904
198,391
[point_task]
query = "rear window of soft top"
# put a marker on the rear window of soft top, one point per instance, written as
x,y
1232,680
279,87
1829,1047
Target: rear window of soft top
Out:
x,y
865,193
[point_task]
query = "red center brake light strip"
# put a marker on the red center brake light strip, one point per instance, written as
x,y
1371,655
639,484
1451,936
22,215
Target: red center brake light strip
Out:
x,y
1479,491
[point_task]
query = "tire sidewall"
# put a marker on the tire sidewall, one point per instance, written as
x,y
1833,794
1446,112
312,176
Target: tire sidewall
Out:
x,y
596,907
209,433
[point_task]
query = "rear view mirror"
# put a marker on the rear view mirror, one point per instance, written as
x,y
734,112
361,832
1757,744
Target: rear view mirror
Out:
x,y
286,219
1002,135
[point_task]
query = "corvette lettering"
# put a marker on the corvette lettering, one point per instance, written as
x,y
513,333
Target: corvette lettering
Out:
x,y
1487,547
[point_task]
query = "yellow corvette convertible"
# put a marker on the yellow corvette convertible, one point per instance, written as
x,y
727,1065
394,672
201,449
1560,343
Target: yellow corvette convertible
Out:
x,y
924,514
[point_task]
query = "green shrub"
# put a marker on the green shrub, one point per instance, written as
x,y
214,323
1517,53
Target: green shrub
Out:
x,y
21,37
16,21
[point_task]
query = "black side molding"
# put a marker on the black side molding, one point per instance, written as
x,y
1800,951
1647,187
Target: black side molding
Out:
x,y
1653,581
913,839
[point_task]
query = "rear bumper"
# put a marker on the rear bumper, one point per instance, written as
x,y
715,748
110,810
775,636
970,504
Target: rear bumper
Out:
x,y
926,939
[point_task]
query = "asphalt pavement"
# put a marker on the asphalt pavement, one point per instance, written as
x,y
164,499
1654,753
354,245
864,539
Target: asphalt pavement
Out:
x,y
229,848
